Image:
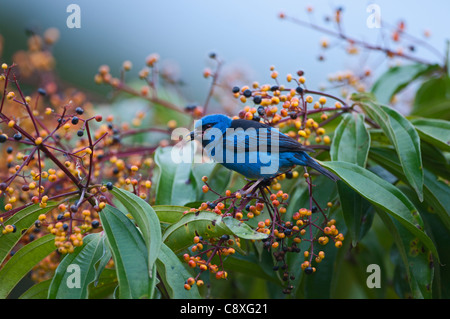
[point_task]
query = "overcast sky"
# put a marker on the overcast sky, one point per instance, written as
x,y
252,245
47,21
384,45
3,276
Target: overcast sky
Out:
x,y
247,34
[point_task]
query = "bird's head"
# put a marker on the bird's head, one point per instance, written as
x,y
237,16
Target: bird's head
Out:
x,y
214,121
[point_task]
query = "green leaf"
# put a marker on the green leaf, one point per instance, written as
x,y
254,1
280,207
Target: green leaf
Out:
x,y
37,291
441,237
146,219
415,256
351,140
437,195
173,274
405,139
383,195
241,229
105,286
169,214
435,160
173,182
206,224
378,138
351,144
438,110
130,254
436,192
102,261
252,266
397,78
433,99
355,209
435,132
81,263
23,219
23,261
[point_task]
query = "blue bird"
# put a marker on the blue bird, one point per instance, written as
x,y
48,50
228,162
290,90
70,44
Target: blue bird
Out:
x,y
251,148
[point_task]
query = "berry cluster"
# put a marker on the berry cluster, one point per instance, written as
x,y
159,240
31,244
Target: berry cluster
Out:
x,y
202,253
293,109
284,233
58,157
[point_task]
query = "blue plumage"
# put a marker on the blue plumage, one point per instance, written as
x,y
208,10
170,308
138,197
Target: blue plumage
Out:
x,y
251,148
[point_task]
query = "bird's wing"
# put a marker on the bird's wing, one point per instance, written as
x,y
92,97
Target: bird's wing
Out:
x,y
245,134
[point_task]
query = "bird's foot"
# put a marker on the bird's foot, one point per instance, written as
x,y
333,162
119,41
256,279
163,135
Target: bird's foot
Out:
x,y
251,188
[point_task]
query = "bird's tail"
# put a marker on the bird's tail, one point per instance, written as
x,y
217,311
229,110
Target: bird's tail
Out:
x,y
309,161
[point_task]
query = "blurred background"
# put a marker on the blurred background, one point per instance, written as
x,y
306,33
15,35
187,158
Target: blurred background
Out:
x,y
247,35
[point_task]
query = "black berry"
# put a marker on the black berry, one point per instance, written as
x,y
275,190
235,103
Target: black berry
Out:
x,y
308,270
257,99
75,120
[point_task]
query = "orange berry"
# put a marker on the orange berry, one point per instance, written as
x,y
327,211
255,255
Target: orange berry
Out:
x,y
190,281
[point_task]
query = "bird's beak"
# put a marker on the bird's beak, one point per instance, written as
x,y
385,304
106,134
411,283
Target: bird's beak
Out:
x,y
190,136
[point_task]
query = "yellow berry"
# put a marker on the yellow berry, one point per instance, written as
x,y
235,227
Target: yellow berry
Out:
x,y
9,228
